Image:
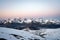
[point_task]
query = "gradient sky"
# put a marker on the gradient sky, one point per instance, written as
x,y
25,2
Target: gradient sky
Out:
x,y
29,8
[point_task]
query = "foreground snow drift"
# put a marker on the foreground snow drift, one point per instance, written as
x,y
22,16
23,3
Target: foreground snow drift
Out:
x,y
13,34
9,34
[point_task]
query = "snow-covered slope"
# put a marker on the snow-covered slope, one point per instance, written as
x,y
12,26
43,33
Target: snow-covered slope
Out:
x,y
8,33
53,34
13,34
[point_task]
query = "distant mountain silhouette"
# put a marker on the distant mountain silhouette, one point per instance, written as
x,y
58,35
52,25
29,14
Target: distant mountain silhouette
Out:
x,y
32,25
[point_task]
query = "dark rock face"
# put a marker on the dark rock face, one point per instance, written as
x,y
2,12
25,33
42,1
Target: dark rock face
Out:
x,y
2,39
17,36
33,25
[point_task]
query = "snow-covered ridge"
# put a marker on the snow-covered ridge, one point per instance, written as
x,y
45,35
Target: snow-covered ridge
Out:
x,y
29,20
13,34
7,34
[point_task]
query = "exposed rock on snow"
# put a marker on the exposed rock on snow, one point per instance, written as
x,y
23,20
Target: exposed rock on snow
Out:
x,y
10,34
13,34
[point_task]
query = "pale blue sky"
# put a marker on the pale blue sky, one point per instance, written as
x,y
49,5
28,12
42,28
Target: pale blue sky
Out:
x,y
31,7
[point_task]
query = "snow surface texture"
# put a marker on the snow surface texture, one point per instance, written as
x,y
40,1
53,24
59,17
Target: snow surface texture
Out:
x,y
13,34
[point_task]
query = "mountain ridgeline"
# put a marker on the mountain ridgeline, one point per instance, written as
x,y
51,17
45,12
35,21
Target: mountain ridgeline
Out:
x,y
32,24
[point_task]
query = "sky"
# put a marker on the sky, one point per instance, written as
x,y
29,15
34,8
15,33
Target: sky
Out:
x,y
29,8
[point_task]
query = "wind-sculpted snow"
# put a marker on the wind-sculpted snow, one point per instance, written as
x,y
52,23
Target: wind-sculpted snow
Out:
x,y
8,34
13,34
